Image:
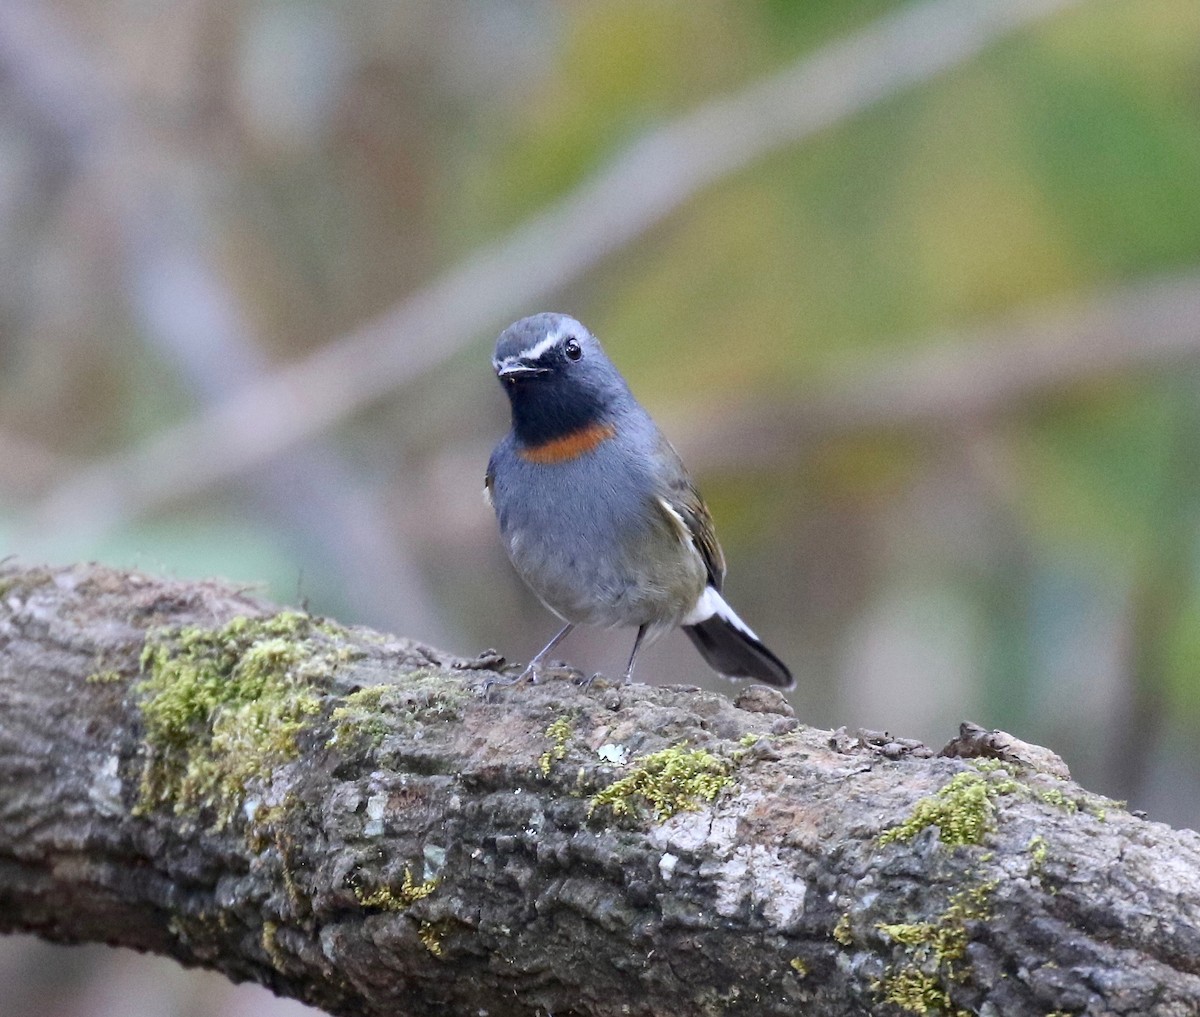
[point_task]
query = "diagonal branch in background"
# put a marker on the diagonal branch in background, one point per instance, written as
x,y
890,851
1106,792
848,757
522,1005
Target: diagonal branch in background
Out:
x,y
336,815
156,218
966,377
640,188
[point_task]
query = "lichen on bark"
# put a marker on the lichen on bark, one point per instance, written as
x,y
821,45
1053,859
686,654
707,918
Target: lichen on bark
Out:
x,y
223,707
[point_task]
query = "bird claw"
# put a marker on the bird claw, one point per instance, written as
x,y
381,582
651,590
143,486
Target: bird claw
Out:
x,y
585,683
493,681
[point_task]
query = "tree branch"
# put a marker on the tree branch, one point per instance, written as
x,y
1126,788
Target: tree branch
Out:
x,y
340,816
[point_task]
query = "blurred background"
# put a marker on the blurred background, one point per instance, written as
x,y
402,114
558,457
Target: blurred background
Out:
x,y
914,287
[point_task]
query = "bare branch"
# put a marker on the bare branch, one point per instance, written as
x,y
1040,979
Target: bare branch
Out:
x,y
1149,326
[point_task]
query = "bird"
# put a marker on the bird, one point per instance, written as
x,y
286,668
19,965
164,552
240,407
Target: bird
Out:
x,y
597,512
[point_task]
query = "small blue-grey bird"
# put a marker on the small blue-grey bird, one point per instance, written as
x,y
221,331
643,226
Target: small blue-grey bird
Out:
x,y
597,512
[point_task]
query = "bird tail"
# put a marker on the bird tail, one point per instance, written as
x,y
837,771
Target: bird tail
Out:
x,y
728,644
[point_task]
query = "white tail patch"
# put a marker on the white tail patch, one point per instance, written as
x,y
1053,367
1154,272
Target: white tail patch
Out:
x,y
712,603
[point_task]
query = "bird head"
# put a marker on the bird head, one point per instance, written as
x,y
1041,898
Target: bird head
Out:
x,y
556,376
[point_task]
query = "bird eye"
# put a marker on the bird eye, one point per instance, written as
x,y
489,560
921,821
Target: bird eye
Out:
x,y
572,349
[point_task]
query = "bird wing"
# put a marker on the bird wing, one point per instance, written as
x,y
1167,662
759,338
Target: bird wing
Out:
x,y
489,481
687,512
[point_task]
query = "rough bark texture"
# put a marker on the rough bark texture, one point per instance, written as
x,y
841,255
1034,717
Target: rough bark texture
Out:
x,y
342,817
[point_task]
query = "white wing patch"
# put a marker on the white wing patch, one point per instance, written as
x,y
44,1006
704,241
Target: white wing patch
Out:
x,y
710,603
677,521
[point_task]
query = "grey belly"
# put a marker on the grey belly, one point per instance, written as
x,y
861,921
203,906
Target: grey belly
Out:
x,y
593,563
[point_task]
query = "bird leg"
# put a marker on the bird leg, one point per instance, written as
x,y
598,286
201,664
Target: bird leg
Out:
x,y
530,671
531,668
637,642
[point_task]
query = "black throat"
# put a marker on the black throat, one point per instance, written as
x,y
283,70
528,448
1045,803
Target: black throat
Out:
x,y
545,408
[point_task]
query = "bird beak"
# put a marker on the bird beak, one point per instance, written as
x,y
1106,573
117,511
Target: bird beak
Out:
x,y
512,369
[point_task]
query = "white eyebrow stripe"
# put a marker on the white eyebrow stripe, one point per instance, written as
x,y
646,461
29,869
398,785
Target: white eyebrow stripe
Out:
x,y
537,349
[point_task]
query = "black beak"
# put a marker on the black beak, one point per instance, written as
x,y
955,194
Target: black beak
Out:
x,y
515,370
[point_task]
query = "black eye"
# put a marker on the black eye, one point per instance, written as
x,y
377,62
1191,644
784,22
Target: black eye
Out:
x,y
572,349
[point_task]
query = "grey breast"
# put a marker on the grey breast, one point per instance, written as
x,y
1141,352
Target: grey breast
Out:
x,y
591,541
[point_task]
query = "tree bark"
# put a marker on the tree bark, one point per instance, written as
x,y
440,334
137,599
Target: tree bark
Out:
x,y
345,818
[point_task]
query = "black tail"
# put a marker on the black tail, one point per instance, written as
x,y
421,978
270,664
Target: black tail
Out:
x,y
731,648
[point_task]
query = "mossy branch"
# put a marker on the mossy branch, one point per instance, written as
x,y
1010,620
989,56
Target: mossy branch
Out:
x,y
340,816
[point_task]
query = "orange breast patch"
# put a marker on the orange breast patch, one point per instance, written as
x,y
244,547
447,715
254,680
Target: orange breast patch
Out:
x,y
569,446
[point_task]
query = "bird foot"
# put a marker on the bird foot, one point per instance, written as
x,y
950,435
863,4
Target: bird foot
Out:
x,y
503,681
585,682
530,674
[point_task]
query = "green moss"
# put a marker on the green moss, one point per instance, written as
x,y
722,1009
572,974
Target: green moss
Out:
x,y
431,936
360,717
1037,850
749,741
963,811
933,955
104,677
670,781
987,765
224,707
916,992
797,964
841,931
374,712
270,945
1053,796
945,939
387,899
558,733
